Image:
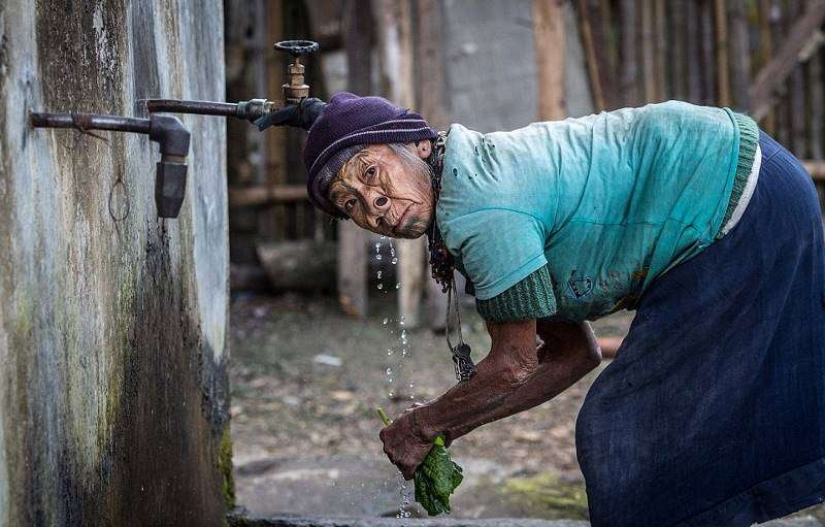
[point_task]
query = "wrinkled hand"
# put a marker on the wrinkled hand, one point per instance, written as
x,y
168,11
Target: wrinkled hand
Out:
x,y
405,443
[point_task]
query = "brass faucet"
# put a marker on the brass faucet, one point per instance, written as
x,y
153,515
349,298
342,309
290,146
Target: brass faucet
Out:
x,y
294,92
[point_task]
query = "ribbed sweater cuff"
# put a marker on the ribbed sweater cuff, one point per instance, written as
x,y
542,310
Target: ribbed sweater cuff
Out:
x,y
748,141
531,298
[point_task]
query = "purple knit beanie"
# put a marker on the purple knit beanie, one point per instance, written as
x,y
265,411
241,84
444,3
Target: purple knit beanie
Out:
x,y
350,120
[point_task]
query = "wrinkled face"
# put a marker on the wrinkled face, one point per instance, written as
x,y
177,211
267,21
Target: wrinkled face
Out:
x,y
385,192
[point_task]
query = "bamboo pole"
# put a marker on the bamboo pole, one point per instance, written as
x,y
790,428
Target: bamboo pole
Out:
x,y
723,71
548,41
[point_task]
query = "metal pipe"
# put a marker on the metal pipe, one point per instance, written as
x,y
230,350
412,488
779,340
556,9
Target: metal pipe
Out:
x,y
167,131
196,107
86,121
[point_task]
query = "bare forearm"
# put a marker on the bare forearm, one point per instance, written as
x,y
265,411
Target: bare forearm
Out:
x,y
492,394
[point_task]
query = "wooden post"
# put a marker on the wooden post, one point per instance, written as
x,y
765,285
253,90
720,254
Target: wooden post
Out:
x,y
548,43
796,91
395,42
660,32
769,122
596,68
648,62
708,91
817,105
432,103
722,68
692,53
628,75
772,75
353,256
676,50
739,49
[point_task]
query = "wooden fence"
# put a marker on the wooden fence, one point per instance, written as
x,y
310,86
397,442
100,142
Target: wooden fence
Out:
x,y
763,57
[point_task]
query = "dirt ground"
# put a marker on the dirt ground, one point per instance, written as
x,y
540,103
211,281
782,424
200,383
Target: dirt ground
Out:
x,y
306,380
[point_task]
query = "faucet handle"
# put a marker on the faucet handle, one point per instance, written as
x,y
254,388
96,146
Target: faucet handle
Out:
x,y
296,48
295,90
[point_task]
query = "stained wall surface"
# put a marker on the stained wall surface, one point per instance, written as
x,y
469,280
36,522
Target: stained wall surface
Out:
x,y
113,347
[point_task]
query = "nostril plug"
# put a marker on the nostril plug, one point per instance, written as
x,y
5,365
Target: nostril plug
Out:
x,y
380,202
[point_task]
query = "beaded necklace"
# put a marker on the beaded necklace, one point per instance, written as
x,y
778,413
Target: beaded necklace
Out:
x,y
442,265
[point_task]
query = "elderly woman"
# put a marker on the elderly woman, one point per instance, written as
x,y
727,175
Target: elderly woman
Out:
x,y
713,412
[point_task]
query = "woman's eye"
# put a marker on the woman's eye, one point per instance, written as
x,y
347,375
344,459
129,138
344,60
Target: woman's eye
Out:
x,y
349,204
370,172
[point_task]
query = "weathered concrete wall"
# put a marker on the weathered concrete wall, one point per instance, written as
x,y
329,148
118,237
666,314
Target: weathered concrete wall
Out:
x,y
493,76
113,389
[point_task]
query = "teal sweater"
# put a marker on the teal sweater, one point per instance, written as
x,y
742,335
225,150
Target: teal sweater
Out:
x,y
576,218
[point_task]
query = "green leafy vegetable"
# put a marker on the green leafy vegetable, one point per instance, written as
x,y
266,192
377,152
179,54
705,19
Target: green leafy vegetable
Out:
x,y
436,478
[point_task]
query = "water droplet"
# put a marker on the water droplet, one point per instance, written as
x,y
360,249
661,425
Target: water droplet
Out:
x,y
380,286
403,320
395,261
390,395
389,352
386,320
398,285
455,171
379,274
389,371
379,257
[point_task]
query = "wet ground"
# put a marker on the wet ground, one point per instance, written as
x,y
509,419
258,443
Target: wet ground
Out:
x,y
306,381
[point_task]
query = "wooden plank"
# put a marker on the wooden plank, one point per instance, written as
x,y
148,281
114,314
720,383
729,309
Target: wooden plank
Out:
x,y
629,73
660,52
796,91
708,91
594,65
816,168
817,113
740,78
647,43
395,43
692,53
432,103
548,42
353,256
722,66
262,195
765,52
762,91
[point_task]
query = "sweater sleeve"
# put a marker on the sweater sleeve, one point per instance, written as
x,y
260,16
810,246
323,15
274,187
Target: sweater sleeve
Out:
x,y
532,297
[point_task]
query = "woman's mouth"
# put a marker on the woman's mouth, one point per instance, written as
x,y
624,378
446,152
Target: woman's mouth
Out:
x,y
400,222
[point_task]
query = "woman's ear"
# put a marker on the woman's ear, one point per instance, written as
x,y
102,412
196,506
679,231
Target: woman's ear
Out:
x,y
423,148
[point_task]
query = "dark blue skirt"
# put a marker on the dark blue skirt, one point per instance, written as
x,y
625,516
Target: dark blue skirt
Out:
x,y
713,412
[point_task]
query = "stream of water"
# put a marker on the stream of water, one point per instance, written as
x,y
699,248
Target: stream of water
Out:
x,y
397,354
